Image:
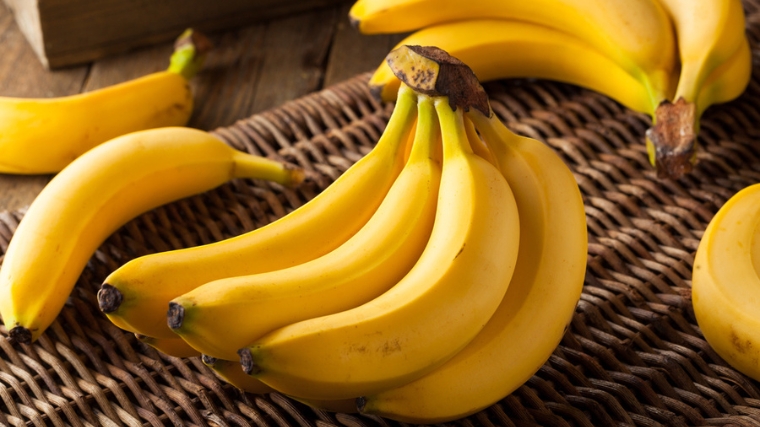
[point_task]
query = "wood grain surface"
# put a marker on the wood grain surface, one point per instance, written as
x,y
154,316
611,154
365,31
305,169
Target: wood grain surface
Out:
x,y
250,69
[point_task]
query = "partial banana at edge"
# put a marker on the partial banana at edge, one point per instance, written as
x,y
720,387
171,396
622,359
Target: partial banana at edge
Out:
x,y
496,49
726,282
635,34
96,194
44,135
710,33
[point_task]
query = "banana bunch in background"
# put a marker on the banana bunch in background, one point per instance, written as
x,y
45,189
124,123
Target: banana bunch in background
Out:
x,y
726,282
433,278
44,135
95,195
670,59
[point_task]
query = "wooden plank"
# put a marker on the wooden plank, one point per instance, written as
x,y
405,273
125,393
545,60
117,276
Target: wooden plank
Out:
x,y
353,53
55,29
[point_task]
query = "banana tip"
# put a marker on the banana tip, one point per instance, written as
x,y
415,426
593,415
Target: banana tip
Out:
x,y
208,360
175,316
246,362
361,403
109,298
20,334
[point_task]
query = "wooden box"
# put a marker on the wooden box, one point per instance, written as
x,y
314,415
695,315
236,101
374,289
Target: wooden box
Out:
x,y
69,32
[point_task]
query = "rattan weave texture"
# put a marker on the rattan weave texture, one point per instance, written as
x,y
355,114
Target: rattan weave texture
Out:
x,y
632,356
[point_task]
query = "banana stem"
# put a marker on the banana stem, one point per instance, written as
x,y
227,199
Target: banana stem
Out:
x,y
671,142
190,51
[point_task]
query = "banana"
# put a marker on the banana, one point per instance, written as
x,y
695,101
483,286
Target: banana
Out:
x,y
496,49
728,81
220,317
726,282
95,195
230,372
172,346
709,33
539,303
635,34
136,296
428,316
44,135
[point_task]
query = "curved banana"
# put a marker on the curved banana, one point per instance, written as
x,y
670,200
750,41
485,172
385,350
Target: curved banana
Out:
x,y
727,81
709,33
172,346
635,34
496,49
428,316
44,135
539,302
136,296
95,195
220,317
726,282
231,373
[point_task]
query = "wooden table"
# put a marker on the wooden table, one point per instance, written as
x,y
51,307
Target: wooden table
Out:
x,y
251,69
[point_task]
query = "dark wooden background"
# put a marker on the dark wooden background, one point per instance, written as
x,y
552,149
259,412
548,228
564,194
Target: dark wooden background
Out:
x,y
251,69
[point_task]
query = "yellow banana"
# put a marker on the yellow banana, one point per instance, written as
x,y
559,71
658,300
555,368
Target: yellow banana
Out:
x,y
726,282
222,316
136,296
496,49
709,33
539,303
95,195
728,81
172,346
230,372
428,316
635,34
44,135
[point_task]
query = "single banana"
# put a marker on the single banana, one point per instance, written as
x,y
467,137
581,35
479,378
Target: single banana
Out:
x,y
434,311
496,49
538,305
220,317
136,296
728,81
709,32
95,195
44,135
726,282
230,372
172,346
635,34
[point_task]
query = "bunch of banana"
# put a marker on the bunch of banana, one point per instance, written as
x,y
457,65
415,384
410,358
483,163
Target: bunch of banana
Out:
x,y
96,194
44,135
670,59
726,282
428,310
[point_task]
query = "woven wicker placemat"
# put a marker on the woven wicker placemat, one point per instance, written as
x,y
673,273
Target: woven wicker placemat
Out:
x,y
632,356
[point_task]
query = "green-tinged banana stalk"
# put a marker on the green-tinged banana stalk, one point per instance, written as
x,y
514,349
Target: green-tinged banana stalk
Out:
x,y
96,194
44,135
136,296
433,311
726,282
221,316
670,59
